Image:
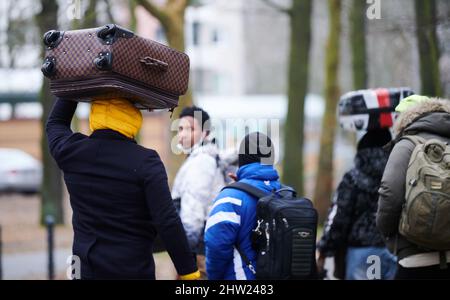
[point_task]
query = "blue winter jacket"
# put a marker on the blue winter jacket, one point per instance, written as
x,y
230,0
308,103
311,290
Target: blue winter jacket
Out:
x,y
231,221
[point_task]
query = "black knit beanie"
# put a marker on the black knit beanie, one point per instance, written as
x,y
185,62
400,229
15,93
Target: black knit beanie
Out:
x,y
256,147
375,139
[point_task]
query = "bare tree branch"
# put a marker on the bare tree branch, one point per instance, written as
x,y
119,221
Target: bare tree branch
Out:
x,y
277,6
109,11
90,19
133,20
16,27
183,4
158,12
178,6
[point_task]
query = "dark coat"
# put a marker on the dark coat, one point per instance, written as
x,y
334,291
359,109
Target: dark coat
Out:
x,y
120,200
428,120
351,219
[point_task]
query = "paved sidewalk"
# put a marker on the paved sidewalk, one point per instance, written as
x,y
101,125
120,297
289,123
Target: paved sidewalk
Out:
x,y
34,265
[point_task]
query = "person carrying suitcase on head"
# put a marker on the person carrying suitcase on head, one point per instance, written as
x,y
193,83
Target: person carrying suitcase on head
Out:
x,y
118,192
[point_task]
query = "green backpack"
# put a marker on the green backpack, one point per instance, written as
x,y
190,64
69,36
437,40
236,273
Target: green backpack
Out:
x,y
425,219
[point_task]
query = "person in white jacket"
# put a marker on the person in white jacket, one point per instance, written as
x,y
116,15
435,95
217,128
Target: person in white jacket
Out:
x,y
200,178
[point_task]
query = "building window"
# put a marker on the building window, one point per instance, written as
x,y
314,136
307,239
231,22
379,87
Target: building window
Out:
x,y
161,35
215,36
210,82
196,33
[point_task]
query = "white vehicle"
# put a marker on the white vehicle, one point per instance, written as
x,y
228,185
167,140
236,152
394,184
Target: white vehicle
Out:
x,y
19,171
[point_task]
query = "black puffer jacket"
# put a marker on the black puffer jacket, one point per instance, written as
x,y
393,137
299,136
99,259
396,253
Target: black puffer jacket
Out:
x,y
351,219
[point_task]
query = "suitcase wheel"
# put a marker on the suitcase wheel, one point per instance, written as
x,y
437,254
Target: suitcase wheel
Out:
x,y
103,61
107,33
49,67
51,38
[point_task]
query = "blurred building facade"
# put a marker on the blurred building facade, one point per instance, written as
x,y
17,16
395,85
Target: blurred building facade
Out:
x,y
237,47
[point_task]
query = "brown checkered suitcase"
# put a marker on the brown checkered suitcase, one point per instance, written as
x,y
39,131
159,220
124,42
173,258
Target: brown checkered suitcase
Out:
x,y
110,61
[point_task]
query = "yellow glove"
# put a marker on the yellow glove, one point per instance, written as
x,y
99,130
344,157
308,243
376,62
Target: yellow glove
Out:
x,y
192,276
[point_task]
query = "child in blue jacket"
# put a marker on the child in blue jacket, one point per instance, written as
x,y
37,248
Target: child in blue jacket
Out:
x,y
233,215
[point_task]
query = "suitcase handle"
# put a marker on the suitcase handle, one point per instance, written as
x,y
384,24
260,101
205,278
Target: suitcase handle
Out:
x,y
154,63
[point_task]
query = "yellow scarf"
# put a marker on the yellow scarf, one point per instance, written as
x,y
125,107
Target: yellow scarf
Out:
x,y
117,114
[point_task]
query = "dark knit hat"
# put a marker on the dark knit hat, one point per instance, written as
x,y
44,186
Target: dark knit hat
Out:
x,y
375,139
256,147
199,114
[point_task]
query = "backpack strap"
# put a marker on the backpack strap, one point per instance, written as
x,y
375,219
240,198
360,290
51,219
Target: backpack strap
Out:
x,y
247,188
247,261
415,139
255,192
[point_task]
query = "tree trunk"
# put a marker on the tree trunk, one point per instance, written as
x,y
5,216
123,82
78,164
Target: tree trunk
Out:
x,y
110,14
428,47
51,191
89,17
175,33
358,44
176,38
324,179
9,35
89,21
171,17
300,22
133,19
